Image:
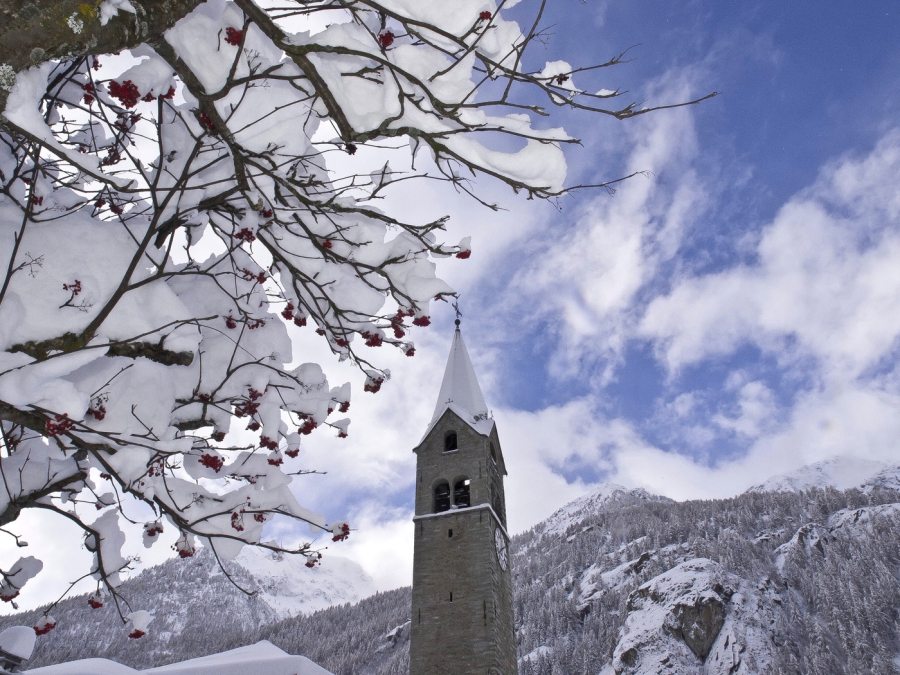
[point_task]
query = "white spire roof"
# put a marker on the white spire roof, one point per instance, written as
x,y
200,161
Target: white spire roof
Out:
x,y
460,391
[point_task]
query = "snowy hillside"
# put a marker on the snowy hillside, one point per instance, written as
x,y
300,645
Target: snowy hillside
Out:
x,y
195,607
840,473
789,581
578,509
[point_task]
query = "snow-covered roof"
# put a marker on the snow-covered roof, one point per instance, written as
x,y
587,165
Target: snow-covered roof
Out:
x,y
263,657
460,391
18,641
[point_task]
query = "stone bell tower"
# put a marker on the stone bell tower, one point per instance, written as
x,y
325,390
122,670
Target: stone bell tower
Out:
x,y
462,604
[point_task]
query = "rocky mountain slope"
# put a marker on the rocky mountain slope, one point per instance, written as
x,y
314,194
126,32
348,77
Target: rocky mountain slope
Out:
x,y
798,579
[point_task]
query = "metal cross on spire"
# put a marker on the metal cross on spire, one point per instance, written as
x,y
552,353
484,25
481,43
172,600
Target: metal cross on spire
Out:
x,y
455,306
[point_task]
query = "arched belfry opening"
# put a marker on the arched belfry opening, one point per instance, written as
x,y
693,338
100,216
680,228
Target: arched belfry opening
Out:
x,y
461,497
450,441
442,497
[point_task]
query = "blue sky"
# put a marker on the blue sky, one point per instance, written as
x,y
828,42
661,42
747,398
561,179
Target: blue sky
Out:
x,y
801,83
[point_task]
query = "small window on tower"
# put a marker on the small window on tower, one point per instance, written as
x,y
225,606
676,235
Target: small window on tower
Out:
x,y
493,453
461,493
450,441
442,497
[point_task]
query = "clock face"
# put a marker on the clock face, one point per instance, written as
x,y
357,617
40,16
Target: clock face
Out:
x,y
500,543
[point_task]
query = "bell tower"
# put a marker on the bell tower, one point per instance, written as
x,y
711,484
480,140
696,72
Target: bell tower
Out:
x,y
462,604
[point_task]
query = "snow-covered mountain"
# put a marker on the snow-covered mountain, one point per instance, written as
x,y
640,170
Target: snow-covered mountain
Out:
x,y
289,588
578,509
195,607
840,473
797,578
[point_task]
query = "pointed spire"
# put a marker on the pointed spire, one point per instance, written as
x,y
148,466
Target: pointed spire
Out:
x,y
460,386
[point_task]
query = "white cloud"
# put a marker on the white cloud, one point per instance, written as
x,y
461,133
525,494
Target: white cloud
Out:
x,y
756,410
826,283
585,276
382,544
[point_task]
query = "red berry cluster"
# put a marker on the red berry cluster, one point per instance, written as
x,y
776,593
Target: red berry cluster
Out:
x,y
156,468
313,559
74,288
127,92
267,442
185,550
94,604
212,462
275,461
421,321
207,122
237,521
45,627
259,323
248,407
169,95
105,476
341,342
345,406
292,452
343,534
135,634
562,79
386,39
246,234
9,595
372,339
288,313
462,255
60,425
89,93
307,427
112,157
98,412
229,322
124,121
115,208
250,276
350,148
218,436
485,16
153,529
411,351
233,36
268,213
373,384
